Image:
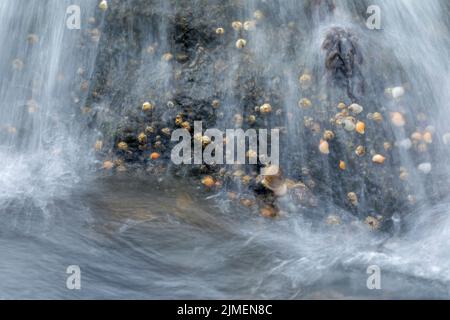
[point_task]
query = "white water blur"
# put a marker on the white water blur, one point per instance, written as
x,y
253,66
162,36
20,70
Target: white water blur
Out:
x,y
42,146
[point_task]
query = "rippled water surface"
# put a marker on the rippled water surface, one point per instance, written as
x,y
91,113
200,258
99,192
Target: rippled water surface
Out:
x,y
141,239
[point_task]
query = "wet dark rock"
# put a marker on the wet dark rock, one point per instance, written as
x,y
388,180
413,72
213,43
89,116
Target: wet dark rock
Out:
x,y
212,81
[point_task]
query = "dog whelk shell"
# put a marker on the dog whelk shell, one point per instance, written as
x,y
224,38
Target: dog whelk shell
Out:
x,y
342,165
341,106
305,80
167,56
377,117
241,43
265,108
372,222
251,119
353,198
147,106
305,103
166,131
215,103
122,146
360,151
328,135
236,25
103,5
142,138
186,125
206,140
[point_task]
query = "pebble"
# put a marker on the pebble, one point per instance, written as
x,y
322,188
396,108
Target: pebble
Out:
x,y
349,124
155,155
360,127
208,181
324,147
378,158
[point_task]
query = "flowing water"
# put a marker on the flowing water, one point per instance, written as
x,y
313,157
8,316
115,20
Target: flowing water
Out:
x,y
154,237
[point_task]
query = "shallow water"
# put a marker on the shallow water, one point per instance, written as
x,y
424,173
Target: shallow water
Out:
x,y
140,239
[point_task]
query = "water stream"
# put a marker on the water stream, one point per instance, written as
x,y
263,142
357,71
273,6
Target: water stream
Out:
x,y
162,237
